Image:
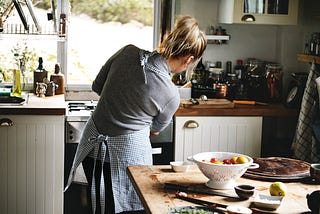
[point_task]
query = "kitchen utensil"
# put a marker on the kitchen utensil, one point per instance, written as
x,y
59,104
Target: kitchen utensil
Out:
x,y
198,189
244,191
249,102
195,209
201,202
210,103
278,168
222,176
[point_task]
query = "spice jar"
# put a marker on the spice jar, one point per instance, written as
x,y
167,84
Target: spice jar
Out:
x,y
274,82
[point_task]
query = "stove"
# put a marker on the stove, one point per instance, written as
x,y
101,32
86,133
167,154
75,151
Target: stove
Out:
x,y
78,113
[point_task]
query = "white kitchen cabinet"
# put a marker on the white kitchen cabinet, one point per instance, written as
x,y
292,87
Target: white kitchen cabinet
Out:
x,y
284,12
31,164
195,134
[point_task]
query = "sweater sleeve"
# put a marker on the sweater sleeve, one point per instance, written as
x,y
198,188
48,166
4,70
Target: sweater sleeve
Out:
x,y
164,117
102,76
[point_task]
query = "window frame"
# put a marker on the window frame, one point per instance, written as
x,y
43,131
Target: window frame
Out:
x,y
63,6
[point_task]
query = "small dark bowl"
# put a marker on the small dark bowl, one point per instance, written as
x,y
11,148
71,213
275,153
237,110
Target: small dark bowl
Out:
x,y
315,171
244,191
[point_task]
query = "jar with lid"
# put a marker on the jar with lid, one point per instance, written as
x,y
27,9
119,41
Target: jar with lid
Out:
x,y
232,83
274,82
215,75
256,89
315,43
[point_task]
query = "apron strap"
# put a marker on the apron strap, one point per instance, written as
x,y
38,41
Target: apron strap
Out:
x,y
98,144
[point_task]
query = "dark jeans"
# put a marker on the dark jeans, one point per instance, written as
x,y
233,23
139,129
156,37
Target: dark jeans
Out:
x,y
109,202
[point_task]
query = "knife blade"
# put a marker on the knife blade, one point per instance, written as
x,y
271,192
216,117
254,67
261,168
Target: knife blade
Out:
x,y
194,189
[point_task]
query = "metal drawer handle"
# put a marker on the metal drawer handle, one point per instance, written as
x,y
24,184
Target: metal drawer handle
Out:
x,y
5,122
191,124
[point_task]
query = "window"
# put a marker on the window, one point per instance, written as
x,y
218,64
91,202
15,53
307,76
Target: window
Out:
x,y
95,30
95,35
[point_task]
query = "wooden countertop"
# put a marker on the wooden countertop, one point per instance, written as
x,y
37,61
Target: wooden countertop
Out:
x,y
270,110
53,105
149,183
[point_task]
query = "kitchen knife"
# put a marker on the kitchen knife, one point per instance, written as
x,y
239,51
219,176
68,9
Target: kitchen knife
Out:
x,y
249,102
195,189
201,202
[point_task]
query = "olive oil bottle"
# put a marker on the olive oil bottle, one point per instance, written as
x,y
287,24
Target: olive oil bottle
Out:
x,y
16,90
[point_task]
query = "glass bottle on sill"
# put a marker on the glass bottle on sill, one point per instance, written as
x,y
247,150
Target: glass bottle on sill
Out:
x,y
16,90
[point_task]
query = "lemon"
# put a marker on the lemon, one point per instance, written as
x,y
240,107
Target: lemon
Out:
x,y
278,189
242,159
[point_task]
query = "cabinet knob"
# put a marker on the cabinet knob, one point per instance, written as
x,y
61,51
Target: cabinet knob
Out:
x,y
5,122
191,124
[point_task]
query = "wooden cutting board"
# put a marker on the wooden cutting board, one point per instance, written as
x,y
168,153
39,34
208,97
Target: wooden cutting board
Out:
x,y
278,168
210,103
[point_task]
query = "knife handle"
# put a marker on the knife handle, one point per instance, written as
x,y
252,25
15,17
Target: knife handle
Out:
x,y
244,102
175,187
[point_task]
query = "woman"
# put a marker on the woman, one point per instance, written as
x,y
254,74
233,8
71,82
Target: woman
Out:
x,y
137,99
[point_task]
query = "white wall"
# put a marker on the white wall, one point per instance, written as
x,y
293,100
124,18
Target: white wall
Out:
x,y
267,42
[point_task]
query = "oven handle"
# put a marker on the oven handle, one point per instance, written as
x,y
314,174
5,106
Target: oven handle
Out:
x,y
157,151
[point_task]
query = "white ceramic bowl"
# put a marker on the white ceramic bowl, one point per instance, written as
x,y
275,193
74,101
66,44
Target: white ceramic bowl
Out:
x,y
180,166
221,176
267,202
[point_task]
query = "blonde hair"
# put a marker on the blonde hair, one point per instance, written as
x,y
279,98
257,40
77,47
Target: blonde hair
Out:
x,y
185,39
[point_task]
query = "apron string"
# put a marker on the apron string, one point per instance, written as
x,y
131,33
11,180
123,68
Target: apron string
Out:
x,y
98,143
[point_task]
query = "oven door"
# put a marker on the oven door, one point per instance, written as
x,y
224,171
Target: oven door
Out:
x,y
163,146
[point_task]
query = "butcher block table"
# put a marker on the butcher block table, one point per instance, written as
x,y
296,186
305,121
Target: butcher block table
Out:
x,y
149,182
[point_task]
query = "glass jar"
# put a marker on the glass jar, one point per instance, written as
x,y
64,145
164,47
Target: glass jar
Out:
x,y
274,82
315,43
256,89
232,83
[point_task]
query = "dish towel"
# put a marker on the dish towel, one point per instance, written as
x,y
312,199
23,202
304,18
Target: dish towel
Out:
x,y
305,146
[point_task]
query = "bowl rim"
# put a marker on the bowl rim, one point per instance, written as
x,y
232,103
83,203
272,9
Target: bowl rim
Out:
x,y
192,158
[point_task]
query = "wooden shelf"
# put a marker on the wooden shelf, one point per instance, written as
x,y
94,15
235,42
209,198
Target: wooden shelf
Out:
x,y
308,58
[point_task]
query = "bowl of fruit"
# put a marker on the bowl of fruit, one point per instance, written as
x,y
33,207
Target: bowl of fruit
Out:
x,y
223,168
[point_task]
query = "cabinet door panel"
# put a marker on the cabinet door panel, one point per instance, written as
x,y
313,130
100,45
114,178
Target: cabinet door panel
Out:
x,y
232,134
31,171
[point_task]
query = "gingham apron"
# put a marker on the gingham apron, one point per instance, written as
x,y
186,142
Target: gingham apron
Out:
x,y
122,151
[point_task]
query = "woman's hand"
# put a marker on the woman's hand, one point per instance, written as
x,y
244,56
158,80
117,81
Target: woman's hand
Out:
x,y
154,133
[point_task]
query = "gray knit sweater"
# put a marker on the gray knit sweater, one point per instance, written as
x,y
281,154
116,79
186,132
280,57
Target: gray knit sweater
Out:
x,y
135,91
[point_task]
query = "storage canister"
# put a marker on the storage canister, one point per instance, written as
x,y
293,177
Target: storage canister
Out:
x,y
274,82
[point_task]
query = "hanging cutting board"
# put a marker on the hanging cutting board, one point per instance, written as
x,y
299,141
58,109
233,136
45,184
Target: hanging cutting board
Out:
x,y
210,103
278,168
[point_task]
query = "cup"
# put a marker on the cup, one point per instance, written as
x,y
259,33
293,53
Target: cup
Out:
x,y
315,171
